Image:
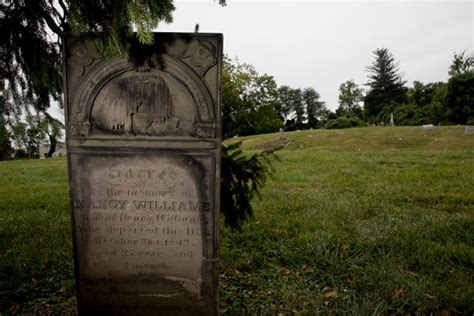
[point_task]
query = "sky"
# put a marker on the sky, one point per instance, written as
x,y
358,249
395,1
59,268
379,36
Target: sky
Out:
x,y
323,44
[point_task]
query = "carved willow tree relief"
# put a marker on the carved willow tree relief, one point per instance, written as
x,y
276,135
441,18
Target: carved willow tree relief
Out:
x,y
144,103
135,104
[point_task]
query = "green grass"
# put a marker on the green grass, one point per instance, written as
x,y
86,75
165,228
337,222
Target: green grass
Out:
x,y
362,221
35,237
36,270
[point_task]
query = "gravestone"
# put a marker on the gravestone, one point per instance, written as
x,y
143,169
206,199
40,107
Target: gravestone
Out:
x,y
143,146
468,129
392,122
427,127
282,134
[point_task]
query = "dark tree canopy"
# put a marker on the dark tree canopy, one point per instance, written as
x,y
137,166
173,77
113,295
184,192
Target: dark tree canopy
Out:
x,y
5,144
387,87
300,108
425,105
460,95
30,56
460,99
315,108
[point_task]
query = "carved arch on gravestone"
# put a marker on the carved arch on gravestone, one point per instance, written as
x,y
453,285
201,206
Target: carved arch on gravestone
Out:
x,y
116,99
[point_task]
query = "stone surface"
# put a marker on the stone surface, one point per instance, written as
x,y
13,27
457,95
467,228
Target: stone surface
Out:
x,y
282,134
468,129
143,140
392,122
427,127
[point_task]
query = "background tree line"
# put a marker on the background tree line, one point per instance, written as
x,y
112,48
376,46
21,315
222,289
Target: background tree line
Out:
x,y
254,104
436,103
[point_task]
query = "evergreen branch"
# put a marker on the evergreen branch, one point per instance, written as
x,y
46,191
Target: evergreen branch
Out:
x,y
242,178
65,11
54,11
51,23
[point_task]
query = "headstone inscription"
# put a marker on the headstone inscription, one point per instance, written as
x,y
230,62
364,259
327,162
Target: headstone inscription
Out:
x,y
143,146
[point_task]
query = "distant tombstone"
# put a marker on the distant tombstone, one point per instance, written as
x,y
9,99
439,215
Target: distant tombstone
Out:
x,y
143,147
468,129
282,134
427,127
392,123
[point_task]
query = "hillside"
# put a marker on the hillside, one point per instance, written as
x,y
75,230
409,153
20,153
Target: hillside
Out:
x,y
366,220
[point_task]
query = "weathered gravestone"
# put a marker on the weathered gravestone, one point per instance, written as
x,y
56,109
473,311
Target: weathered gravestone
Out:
x,y
468,129
392,122
282,134
427,127
143,141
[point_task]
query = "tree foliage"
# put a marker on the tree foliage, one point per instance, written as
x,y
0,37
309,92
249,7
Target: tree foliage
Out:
x,y
345,122
350,96
298,106
460,98
316,109
284,103
249,100
387,88
313,105
461,64
292,107
425,104
6,148
35,129
460,94
301,109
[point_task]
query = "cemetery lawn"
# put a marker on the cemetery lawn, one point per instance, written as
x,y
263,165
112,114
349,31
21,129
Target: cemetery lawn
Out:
x,y
362,221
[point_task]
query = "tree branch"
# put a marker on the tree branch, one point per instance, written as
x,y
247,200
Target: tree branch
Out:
x,y
54,11
65,11
51,23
